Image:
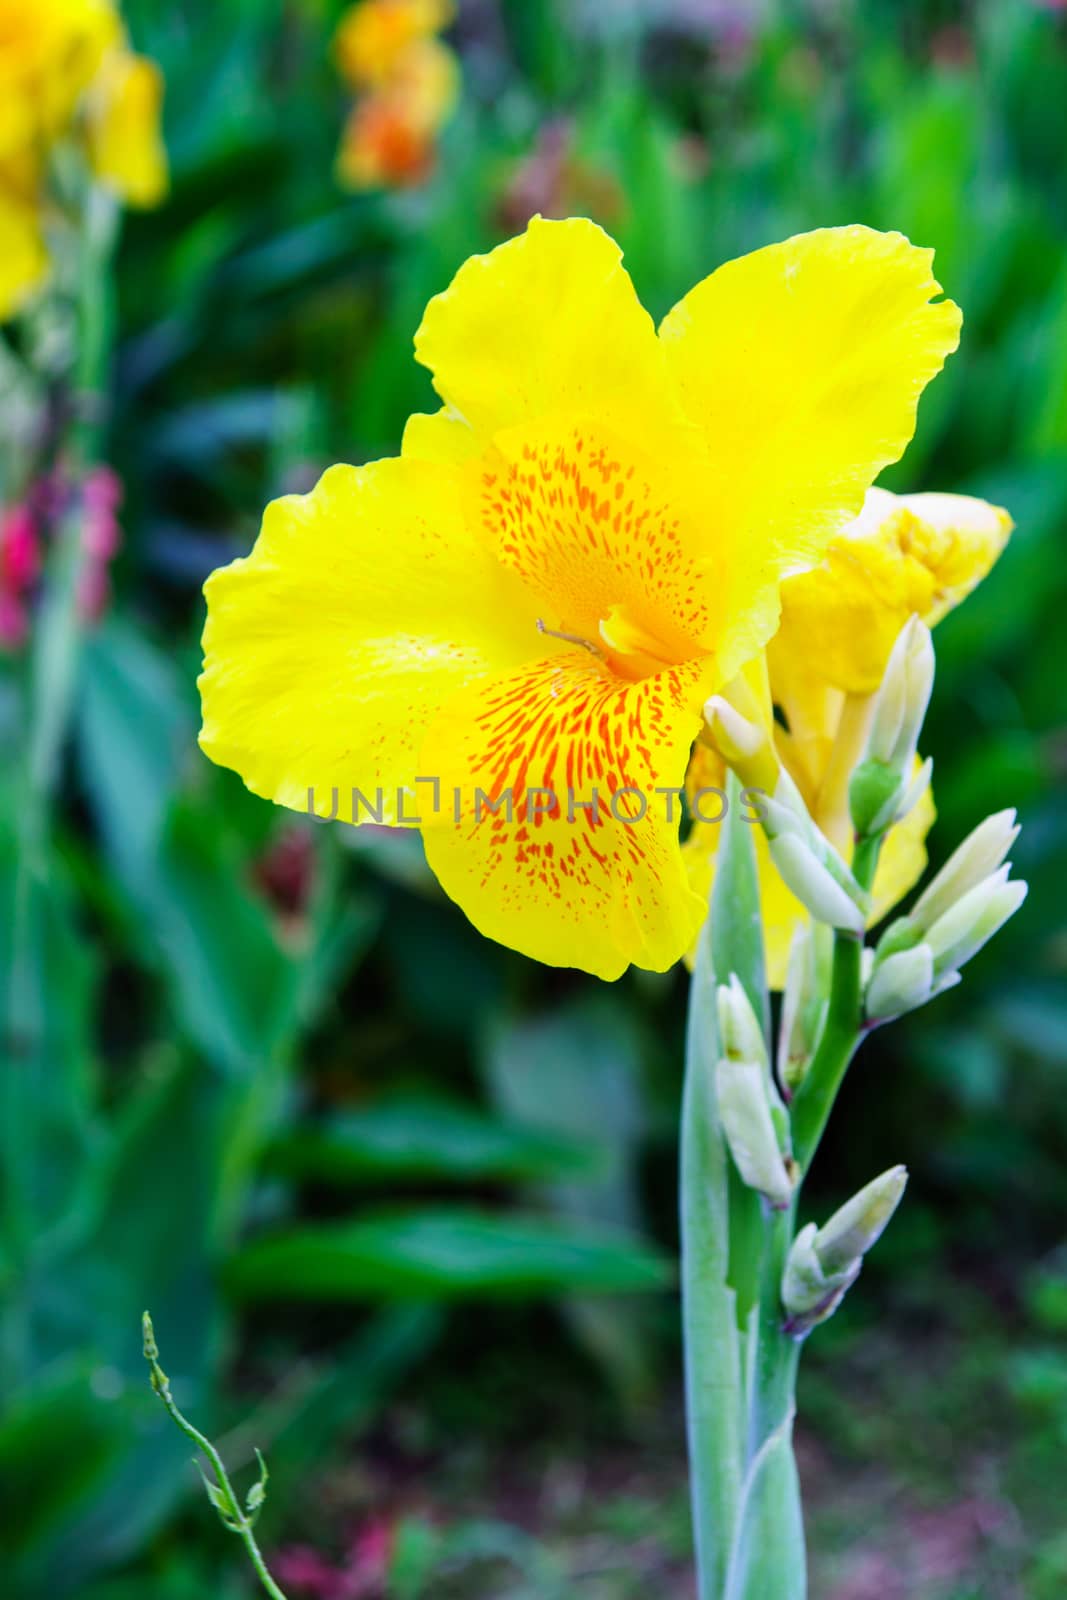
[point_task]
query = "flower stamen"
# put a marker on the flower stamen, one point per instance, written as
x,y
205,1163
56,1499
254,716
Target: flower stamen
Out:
x,y
571,638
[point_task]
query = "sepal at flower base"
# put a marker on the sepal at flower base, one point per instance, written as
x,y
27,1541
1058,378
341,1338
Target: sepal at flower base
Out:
x,y
824,1262
902,982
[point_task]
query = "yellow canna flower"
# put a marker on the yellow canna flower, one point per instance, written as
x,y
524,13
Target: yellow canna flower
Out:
x,y
535,600
389,138
373,37
904,555
123,128
50,51
67,75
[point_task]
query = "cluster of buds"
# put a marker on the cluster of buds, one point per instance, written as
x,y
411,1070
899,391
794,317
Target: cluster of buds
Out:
x,y
807,861
973,895
918,956
824,1262
753,1116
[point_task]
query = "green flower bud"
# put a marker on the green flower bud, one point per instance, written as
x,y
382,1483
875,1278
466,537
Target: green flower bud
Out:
x,y
872,787
900,983
901,934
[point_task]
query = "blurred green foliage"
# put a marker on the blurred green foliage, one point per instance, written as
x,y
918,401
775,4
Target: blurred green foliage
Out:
x,y
262,1061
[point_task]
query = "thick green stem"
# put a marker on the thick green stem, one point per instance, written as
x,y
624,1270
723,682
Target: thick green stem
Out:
x,y
841,1034
713,1381
777,1353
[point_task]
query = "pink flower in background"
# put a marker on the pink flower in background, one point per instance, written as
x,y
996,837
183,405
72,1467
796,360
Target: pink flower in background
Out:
x,y
302,1569
361,1576
24,528
20,550
20,563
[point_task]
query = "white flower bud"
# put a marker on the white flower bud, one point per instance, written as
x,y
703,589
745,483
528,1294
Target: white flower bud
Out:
x,y
745,1113
842,1242
744,745
813,884
740,1034
901,702
965,927
980,854
805,1001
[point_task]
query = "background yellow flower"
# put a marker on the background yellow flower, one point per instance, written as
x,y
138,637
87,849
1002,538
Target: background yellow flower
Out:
x,y
67,75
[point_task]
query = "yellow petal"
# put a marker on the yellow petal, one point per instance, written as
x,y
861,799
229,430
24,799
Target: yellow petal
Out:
x,y
548,326
441,436
903,858
569,886
957,538
803,364
903,555
123,128
363,606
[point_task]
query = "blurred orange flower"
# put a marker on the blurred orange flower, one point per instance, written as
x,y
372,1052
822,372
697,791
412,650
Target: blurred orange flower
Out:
x,y
409,81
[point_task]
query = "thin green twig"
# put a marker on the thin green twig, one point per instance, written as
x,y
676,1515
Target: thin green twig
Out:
x,y
234,1517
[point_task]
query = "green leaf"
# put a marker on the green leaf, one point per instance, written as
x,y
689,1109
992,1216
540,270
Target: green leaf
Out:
x,y
443,1254
422,1137
768,1556
575,1072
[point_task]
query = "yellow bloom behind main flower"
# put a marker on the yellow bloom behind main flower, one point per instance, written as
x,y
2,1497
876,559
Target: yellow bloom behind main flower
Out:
x,y
67,74
904,555
585,541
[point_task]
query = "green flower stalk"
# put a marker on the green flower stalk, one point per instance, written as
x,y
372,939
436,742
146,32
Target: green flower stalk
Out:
x,y
235,1517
